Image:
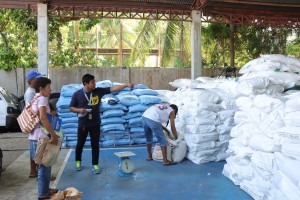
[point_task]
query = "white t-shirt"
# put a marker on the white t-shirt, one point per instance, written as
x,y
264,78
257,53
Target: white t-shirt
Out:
x,y
38,132
29,94
158,113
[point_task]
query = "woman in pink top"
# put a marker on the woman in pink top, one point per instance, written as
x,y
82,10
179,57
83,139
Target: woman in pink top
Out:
x,y
40,106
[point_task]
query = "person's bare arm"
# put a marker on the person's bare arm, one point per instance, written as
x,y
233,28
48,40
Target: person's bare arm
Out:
x,y
166,130
121,87
172,122
47,125
78,110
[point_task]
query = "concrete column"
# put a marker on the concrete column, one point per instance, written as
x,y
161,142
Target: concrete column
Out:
x,y
43,40
196,44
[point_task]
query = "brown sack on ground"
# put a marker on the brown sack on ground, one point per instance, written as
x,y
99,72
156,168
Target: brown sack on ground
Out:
x,y
70,193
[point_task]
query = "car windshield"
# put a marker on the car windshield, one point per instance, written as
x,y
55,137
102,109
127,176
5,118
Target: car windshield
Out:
x,y
8,96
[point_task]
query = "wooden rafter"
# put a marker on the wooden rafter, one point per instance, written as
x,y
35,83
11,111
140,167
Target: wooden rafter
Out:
x,y
277,13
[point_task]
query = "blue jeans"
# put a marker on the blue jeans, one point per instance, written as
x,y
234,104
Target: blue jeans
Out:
x,y
44,174
33,146
151,127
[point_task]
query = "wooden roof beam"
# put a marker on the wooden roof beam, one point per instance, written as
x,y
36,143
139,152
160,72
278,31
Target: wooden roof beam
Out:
x,y
258,3
255,12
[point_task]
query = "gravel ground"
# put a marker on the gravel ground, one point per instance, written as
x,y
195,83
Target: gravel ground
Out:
x,y
13,145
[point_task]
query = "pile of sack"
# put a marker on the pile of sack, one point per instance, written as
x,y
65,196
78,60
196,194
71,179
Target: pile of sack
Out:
x,y
120,114
70,193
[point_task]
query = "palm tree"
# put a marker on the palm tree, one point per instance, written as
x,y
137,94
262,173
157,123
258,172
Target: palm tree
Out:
x,y
163,35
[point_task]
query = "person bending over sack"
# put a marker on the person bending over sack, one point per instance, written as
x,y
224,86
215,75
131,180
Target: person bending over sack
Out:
x,y
152,120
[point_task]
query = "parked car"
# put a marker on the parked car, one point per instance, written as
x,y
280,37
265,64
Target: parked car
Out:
x,y
9,110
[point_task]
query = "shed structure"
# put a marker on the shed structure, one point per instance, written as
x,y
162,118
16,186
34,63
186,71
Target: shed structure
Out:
x,y
268,13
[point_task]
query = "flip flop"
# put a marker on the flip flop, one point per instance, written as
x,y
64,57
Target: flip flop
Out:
x,y
149,159
52,178
33,176
52,191
44,197
170,163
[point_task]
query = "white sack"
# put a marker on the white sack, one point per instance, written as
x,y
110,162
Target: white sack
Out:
x,y
287,135
225,114
199,138
286,186
291,150
245,128
290,167
262,143
199,129
263,160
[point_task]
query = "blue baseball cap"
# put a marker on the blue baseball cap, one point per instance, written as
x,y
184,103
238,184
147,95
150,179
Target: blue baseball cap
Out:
x,y
33,74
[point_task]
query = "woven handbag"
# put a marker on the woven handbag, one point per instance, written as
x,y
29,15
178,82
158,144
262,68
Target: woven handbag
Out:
x,y
28,119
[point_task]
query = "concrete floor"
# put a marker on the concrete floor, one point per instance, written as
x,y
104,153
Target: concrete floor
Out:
x,y
14,182
150,181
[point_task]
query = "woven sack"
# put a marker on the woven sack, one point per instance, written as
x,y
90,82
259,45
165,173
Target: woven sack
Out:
x,y
50,154
40,150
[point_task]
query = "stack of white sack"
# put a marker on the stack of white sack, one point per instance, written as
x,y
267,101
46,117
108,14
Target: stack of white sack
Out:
x,y
227,84
265,145
286,179
204,123
274,66
120,114
252,148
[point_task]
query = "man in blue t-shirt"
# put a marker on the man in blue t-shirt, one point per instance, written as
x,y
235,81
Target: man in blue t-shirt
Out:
x,y
86,102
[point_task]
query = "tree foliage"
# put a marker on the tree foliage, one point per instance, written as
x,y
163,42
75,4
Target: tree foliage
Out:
x,y
71,42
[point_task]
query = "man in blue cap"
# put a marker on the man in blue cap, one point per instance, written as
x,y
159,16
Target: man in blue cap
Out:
x,y
31,77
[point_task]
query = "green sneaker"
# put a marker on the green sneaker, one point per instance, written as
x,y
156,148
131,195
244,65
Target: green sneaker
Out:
x,y
78,166
96,169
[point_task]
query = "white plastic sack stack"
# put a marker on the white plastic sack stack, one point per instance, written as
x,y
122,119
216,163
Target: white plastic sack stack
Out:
x,y
275,67
200,113
267,134
292,115
253,142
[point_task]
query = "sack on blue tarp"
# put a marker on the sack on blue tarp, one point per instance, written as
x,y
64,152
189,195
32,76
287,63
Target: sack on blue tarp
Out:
x,y
140,92
109,99
113,127
137,108
149,99
133,122
128,99
140,86
113,120
136,130
129,115
112,113
104,84
106,106
68,90
63,102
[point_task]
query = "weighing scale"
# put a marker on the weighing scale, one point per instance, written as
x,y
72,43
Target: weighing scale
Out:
x,y
126,166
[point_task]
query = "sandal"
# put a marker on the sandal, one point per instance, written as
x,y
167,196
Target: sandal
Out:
x,y
149,159
32,176
52,178
44,197
52,191
169,163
